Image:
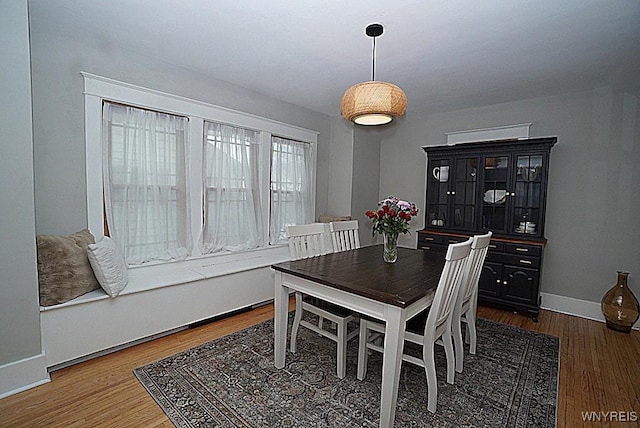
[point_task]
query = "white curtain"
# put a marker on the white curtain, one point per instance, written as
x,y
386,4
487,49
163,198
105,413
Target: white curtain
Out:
x,y
146,196
232,189
291,180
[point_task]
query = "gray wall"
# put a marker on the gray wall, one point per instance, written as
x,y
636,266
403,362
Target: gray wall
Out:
x,y
340,167
19,313
366,178
58,112
593,201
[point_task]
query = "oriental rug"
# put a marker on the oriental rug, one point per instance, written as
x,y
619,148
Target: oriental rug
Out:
x,y
512,381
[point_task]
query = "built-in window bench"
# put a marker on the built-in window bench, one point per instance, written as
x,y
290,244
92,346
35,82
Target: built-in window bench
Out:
x,y
157,300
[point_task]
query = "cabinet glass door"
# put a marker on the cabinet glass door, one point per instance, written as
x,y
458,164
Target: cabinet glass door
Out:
x,y
438,193
527,203
495,195
464,193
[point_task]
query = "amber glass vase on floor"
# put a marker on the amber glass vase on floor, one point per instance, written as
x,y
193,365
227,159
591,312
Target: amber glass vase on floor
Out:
x,y
619,306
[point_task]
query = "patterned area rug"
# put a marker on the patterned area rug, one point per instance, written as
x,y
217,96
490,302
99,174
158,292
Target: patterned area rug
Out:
x,y
512,381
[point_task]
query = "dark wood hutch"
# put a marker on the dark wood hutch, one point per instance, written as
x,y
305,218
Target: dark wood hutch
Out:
x,y
498,186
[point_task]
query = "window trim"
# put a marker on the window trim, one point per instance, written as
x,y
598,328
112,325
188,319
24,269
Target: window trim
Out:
x,y
98,88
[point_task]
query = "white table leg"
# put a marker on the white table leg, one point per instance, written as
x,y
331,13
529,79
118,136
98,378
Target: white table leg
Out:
x,y
391,364
281,306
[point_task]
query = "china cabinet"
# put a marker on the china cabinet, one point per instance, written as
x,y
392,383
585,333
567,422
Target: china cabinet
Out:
x,y
497,186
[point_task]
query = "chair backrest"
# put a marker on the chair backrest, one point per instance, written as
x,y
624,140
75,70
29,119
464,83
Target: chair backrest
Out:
x,y
469,285
344,235
308,240
448,286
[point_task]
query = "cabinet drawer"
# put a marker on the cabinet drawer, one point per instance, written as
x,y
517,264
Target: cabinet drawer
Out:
x,y
520,261
523,249
496,246
433,247
427,238
454,239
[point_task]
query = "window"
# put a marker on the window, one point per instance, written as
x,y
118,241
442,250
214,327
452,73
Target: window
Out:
x,y
232,190
178,178
145,188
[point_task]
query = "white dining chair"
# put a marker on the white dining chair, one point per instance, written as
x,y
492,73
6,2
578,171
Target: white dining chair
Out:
x,y
466,304
344,235
436,326
310,240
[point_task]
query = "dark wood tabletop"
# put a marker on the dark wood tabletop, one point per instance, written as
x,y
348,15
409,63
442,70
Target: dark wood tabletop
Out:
x,y
363,272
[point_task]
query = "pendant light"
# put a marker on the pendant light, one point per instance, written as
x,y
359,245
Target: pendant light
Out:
x,y
373,102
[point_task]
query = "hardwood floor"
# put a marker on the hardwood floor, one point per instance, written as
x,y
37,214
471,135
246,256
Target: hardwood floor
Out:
x,y
599,372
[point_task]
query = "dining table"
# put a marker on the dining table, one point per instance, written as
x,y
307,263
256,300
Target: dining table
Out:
x,y
361,281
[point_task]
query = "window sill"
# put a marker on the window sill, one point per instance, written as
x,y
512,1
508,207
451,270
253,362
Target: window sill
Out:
x,y
152,277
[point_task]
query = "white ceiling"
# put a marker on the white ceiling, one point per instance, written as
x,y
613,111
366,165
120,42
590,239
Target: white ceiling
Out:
x,y
444,54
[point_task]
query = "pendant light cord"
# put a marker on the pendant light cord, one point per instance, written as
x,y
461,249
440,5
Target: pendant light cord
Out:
x,y
373,61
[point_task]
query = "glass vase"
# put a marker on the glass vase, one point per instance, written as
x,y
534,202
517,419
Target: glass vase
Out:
x,y
390,253
619,306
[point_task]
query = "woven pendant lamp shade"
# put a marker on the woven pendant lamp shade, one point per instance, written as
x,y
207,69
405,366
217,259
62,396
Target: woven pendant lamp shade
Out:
x,y
373,103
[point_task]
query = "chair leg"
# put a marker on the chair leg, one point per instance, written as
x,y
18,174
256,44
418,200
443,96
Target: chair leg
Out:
x,y
466,332
430,370
451,359
342,348
362,349
296,322
459,347
471,332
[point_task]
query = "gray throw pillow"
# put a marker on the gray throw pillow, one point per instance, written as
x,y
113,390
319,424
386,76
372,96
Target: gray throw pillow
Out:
x,y
64,272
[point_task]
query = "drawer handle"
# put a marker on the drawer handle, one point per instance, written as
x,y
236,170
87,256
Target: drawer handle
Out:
x,y
525,262
493,246
424,247
522,250
429,239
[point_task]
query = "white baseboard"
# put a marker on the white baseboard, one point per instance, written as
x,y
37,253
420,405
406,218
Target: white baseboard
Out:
x,y
24,374
576,307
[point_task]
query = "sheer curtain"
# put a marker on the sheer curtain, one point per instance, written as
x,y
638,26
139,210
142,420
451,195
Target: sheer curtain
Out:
x,y
145,168
291,193
232,189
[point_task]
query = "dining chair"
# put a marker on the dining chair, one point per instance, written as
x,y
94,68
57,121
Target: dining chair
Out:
x,y
436,327
310,240
466,304
344,235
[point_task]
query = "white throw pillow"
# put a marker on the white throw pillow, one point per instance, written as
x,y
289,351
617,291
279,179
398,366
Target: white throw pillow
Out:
x,y
108,266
